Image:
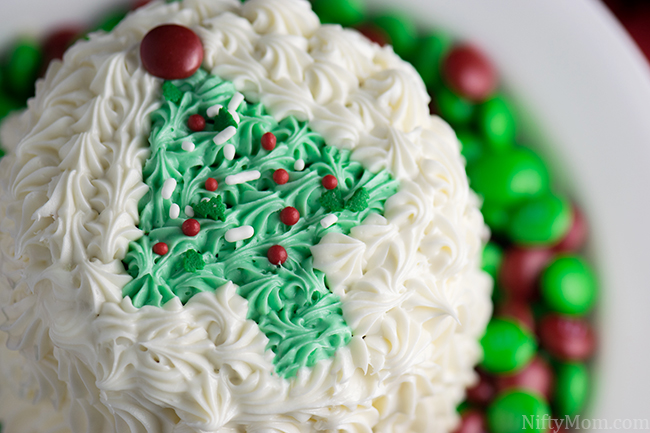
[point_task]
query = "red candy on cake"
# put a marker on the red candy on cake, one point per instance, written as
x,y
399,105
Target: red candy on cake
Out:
x,y
520,271
536,376
160,248
469,73
171,52
280,176
277,255
268,141
191,227
289,215
211,184
196,123
567,338
330,182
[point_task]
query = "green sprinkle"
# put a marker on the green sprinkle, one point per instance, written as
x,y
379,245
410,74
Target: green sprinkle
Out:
x,y
213,208
172,93
359,200
332,201
223,120
192,261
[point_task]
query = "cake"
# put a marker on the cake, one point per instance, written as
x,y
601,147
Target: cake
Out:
x,y
282,241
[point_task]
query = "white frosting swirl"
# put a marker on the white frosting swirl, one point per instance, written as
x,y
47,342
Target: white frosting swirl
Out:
x,y
409,281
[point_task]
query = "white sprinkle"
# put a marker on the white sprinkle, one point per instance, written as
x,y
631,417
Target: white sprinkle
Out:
x,y
168,188
225,135
214,110
189,211
188,146
229,151
240,233
243,177
236,101
329,220
235,116
299,165
174,211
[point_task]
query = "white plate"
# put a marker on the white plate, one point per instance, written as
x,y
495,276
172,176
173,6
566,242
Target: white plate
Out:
x,y
585,90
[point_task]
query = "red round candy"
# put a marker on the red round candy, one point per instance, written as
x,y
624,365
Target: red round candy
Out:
x,y
280,176
161,248
536,376
196,122
171,52
567,338
469,73
191,227
277,255
330,182
374,33
520,271
58,41
211,184
289,215
517,310
269,141
472,421
577,235
483,392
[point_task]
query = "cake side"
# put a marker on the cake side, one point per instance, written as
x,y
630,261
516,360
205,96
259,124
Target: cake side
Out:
x,y
416,302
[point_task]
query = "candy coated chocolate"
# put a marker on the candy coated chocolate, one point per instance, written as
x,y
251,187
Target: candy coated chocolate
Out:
x,y
469,73
520,271
171,52
518,310
472,421
507,346
483,392
510,410
536,376
567,338
577,236
568,285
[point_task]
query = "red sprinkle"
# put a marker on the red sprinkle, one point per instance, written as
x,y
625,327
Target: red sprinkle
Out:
x,y
211,184
161,248
277,255
567,338
280,176
196,122
289,215
171,52
469,73
191,227
330,182
269,141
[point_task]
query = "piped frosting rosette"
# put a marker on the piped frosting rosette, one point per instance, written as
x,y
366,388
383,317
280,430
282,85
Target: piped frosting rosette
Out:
x,y
408,278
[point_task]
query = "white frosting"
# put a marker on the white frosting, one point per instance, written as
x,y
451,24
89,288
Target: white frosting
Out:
x,y
409,281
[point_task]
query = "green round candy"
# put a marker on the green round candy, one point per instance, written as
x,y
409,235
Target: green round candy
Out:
x,y
571,388
344,12
540,221
23,67
471,146
507,346
510,177
492,257
568,285
497,123
428,55
518,411
401,30
453,108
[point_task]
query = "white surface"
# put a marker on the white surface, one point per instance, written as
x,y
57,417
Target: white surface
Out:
x,y
576,73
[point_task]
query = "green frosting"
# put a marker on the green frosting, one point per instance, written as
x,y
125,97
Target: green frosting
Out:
x,y
291,303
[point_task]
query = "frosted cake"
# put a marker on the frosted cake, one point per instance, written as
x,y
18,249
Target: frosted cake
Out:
x,y
283,240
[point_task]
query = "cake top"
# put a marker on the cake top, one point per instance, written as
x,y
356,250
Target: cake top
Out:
x,y
399,262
